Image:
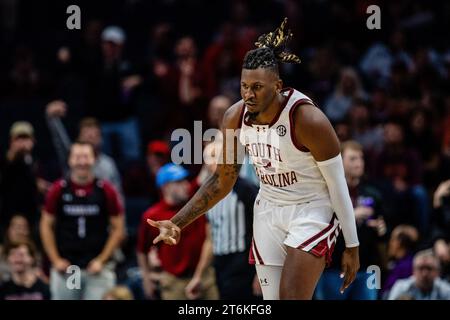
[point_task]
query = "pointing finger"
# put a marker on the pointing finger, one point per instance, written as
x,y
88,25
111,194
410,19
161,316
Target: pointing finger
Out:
x,y
153,223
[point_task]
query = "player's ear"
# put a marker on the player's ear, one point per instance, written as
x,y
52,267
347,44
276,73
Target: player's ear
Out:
x,y
279,85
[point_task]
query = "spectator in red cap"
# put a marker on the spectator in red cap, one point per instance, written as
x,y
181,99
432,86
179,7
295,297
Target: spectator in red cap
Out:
x,y
139,181
158,154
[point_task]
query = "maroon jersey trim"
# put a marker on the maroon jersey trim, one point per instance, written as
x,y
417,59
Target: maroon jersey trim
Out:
x,y
296,143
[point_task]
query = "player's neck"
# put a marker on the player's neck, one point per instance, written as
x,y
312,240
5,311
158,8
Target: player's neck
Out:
x,y
266,116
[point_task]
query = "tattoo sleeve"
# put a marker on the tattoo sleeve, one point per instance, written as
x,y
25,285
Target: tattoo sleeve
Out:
x,y
215,188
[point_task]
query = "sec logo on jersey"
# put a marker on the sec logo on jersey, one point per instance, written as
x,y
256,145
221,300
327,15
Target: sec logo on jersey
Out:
x,y
281,130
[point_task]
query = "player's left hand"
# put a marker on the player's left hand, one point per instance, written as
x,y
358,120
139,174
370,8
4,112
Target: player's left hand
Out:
x,y
350,266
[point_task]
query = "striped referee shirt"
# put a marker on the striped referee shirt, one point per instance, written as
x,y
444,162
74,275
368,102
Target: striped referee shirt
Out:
x,y
231,219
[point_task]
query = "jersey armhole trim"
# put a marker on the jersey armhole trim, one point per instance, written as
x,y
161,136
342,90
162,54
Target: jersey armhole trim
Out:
x,y
296,143
242,115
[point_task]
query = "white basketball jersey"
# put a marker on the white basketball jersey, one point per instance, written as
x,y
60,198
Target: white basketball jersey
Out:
x,y
287,172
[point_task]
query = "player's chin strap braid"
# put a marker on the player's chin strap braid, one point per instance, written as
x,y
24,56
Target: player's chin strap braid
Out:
x,y
333,172
277,41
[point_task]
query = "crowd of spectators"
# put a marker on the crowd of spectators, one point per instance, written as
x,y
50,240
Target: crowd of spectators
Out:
x,y
138,69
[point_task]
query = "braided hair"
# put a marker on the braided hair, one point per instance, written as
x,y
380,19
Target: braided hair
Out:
x,y
271,50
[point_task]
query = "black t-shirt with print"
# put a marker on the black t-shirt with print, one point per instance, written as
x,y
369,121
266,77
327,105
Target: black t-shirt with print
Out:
x,y
11,291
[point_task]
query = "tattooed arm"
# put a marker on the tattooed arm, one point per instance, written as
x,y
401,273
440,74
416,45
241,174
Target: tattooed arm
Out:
x,y
214,189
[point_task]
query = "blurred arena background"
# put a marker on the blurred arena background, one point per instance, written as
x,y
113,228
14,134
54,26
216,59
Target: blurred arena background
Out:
x,y
140,69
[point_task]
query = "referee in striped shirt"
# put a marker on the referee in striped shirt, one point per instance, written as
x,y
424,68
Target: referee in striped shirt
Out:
x,y
231,223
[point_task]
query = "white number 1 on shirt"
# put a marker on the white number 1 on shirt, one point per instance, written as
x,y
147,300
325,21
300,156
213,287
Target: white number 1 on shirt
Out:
x,y
81,227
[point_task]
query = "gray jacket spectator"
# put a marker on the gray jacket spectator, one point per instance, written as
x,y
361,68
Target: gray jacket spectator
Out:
x,y
407,289
425,283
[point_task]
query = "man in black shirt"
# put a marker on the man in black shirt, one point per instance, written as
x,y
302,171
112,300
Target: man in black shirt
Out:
x,y
19,184
111,94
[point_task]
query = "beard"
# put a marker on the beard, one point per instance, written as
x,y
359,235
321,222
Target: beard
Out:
x,y
251,116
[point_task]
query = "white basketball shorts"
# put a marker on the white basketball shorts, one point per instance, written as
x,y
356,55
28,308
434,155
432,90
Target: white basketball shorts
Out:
x,y
311,227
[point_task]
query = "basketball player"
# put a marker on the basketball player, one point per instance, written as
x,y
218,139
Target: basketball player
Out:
x,y
303,199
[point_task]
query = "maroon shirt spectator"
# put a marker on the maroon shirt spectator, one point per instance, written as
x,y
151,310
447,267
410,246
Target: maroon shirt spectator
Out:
x,y
180,260
91,193
82,224
114,205
178,263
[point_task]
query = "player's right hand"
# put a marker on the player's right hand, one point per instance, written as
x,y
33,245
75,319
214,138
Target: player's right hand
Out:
x,y
169,232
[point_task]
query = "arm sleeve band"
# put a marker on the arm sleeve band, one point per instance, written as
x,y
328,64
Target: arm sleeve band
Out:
x,y
333,173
